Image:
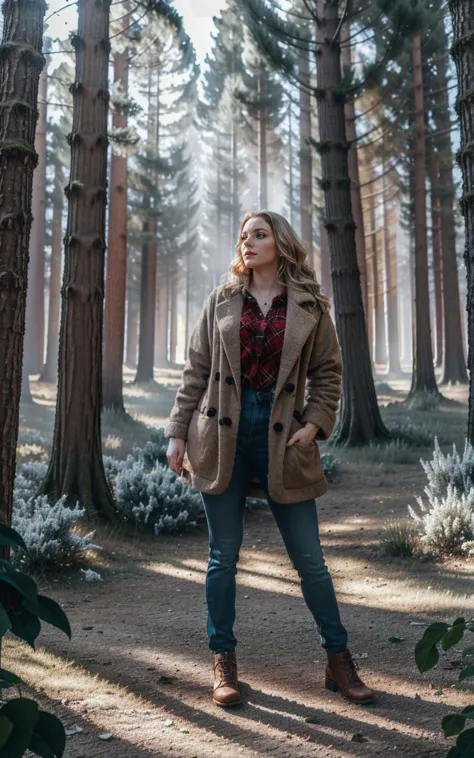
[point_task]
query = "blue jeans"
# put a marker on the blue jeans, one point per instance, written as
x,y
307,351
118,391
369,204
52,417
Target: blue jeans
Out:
x,y
298,525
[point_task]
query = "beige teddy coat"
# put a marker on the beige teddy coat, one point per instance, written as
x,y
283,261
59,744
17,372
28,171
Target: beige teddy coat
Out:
x,y
207,407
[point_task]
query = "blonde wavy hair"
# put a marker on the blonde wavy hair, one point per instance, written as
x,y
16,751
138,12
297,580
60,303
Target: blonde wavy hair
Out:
x,y
293,270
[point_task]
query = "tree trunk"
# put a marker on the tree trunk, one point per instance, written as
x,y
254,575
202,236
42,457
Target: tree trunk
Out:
x,y
353,163
76,467
146,342
290,166
454,366
390,252
131,347
433,166
116,281
34,336
326,281
360,421
161,322
306,159
462,14
174,320
262,145
20,66
423,378
50,369
235,170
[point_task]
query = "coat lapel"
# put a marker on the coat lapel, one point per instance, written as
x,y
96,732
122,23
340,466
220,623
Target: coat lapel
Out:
x,y
299,325
228,315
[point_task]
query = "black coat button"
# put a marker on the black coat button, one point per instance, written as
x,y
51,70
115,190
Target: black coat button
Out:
x,y
217,376
289,387
278,427
297,415
229,380
225,421
211,412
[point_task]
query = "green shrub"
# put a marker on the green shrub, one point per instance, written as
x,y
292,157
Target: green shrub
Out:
x,y
400,539
427,656
23,726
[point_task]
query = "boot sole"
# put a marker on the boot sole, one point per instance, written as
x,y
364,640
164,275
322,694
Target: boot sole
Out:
x,y
334,687
227,705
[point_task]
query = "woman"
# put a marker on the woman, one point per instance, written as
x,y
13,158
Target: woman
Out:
x,y
261,384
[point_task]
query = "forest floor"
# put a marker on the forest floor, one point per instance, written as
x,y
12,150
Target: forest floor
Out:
x,y
138,667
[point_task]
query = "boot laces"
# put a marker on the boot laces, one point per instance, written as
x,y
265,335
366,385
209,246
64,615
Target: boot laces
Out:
x,y
226,671
352,668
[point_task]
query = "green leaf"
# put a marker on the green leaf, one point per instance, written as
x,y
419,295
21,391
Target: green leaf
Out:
x,y
468,711
465,742
454,752
48,610
7,679
9,536
26,626
39,747
22,712
22,583
454,634
6,728
5,623
453,724
426,652
17,744
51,732
466,673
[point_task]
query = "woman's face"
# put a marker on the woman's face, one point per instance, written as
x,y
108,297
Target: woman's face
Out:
x,y
258,244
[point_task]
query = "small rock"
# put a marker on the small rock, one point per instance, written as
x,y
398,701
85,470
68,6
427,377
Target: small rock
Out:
x,y
168,722
358,737
106,736
74,730
311,720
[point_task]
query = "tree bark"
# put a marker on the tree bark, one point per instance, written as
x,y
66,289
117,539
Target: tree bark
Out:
x,y
462,51
359,421
21,62
174,320
390,253
116,281
454,365
131,348
423,378
50,368
353,163
161,322
306,158
433,167
146,342
262,145
76,467
326,281
34,335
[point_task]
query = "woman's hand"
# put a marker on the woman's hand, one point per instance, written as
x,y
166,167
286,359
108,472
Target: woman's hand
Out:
x,y
175,454
304,436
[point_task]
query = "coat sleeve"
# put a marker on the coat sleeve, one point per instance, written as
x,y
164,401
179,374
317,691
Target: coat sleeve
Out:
x,y
195,374
324,379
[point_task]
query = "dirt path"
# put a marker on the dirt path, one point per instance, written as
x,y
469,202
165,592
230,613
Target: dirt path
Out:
x,y
138,664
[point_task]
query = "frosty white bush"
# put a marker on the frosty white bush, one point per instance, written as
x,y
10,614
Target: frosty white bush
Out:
x,y
448,469
155,498
49,533
446,517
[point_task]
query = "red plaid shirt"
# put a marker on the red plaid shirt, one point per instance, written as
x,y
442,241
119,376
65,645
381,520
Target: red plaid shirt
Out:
x,y
261,341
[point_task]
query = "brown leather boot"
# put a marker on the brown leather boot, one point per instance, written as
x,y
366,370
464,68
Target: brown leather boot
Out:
x,y
226,684
342,676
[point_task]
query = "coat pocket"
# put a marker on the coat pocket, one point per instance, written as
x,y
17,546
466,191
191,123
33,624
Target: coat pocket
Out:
x,y
202,445
302,466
